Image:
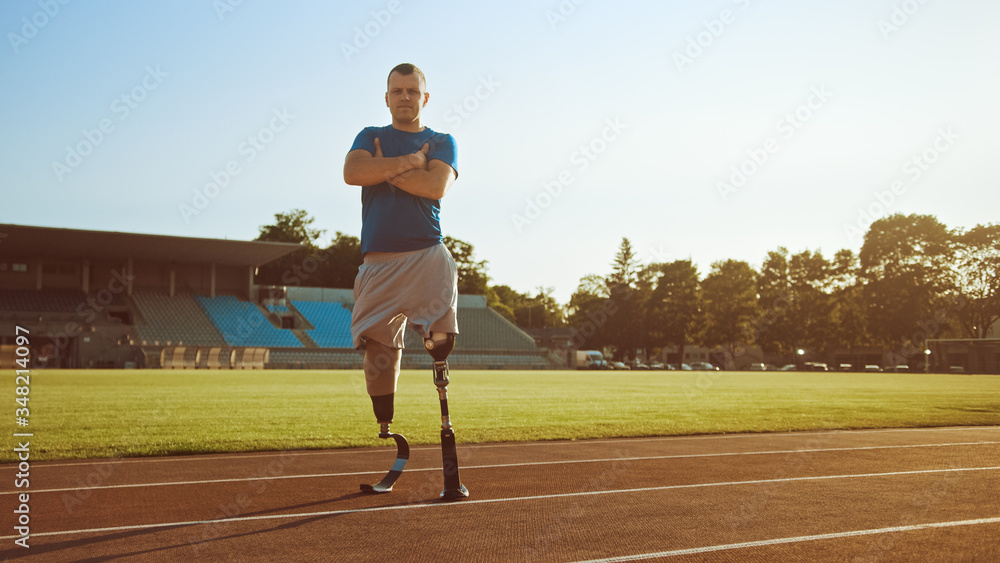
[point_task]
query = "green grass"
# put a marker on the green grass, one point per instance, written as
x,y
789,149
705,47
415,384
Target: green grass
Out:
x,y
89,413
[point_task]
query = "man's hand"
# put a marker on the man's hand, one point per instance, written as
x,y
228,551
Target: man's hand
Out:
x,y
416,161
419,158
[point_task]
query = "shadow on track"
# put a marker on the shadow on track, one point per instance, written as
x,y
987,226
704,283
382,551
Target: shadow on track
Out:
x,y
213,533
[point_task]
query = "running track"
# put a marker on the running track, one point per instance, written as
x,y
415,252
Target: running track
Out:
x,y
870,495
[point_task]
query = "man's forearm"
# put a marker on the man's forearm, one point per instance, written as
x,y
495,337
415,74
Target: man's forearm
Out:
x,y
375,170
422,183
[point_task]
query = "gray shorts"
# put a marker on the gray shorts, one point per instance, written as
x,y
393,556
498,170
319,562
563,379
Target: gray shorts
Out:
x,y
391,289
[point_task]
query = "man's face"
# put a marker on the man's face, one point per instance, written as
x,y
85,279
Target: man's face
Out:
x,y
405,98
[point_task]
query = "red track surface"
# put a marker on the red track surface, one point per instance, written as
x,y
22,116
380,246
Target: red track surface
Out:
x,y
876,495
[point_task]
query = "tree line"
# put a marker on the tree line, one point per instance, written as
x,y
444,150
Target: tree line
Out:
x,y
914,279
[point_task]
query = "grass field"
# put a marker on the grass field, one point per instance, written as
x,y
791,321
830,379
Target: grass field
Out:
x,y
90,413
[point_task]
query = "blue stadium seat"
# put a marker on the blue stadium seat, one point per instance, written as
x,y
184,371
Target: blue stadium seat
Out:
x,y
242,324
332,322
174,320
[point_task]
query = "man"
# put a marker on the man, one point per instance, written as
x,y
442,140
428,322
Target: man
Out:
x,y
408,275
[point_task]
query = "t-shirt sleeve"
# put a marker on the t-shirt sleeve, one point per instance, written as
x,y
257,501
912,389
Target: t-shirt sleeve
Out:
x,y
442,147
365,140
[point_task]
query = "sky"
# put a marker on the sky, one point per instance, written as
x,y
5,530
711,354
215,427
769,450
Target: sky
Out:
x,y
698,130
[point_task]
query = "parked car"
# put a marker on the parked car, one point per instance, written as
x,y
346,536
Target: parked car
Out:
x,y
655,365
788,367
681,367
872,367
618,365
757,366
590,359
845,367
639,365
703,366
816,366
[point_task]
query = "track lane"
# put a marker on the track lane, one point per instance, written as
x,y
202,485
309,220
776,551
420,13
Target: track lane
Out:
x,y
321,512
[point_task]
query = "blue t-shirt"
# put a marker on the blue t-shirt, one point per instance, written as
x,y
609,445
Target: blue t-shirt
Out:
x,y
393,220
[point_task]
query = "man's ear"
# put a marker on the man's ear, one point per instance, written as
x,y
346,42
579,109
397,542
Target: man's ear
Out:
x,y
427,96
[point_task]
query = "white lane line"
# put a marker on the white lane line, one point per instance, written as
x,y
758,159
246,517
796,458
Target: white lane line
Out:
x,y
379,449
499,500
779,541
504,465
207,457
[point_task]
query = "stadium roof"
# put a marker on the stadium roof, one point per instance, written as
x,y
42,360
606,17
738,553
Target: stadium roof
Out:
x,y
74,244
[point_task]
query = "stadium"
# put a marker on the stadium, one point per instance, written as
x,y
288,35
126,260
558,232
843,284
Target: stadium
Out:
x,y
794,354
112,300
162,380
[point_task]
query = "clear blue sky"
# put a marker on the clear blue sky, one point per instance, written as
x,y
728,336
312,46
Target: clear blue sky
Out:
x,y
666,98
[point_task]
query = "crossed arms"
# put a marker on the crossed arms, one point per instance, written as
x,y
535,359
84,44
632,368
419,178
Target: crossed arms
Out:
x,y
411,173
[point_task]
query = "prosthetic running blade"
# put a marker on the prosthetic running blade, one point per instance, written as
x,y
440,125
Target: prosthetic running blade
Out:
x,y
402,455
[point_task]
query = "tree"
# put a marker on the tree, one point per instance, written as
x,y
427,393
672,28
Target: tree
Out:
x,y
847,316
977,279
503,300
625,268
293,226
645,284
905,269
674,310
809,275
626,330
540,311
472,278
341,261
593,285
297,267
729,294
589,310
773,330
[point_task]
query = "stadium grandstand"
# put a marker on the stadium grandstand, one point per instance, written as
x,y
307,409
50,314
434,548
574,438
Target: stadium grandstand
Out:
x,y
97,299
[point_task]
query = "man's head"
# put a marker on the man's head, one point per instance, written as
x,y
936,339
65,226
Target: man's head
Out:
x,y
406,95
407,69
